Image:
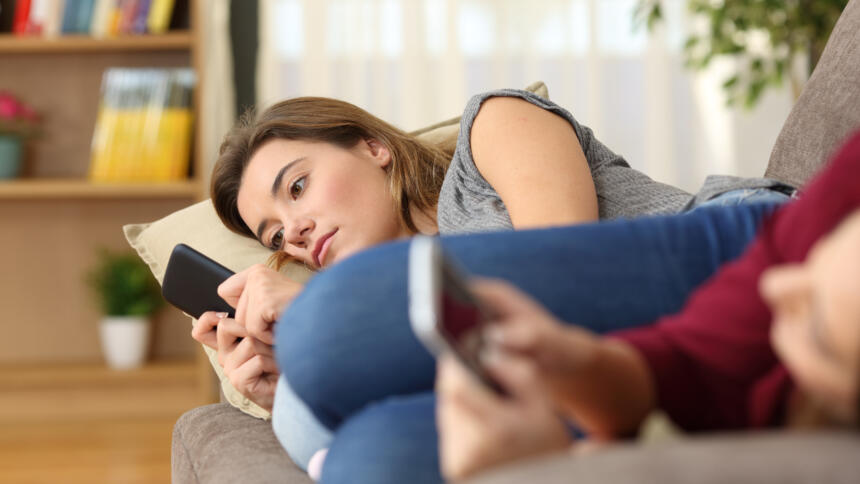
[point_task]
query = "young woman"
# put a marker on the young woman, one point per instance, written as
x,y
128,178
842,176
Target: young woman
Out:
x,y
715,360
319,180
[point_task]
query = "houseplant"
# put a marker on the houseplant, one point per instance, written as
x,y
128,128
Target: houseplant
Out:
x,y
18,122
128,296
770,40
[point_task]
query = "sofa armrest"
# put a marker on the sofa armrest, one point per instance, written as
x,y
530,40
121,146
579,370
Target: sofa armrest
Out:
x,y
217,444
766,458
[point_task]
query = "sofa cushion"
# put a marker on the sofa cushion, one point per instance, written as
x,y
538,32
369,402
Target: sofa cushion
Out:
x,y
217,444
766,458
828,109
199,227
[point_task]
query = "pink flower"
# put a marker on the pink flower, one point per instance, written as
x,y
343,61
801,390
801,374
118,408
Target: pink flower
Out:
x,y
9,106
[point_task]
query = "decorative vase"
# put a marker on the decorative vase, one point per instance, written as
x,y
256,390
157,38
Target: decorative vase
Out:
x,y
10,156
125,341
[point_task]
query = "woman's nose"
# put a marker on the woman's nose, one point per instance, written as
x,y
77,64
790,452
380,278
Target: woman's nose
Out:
x,y
299,232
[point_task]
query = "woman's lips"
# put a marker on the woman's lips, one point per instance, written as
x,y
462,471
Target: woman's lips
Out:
x,y
323,251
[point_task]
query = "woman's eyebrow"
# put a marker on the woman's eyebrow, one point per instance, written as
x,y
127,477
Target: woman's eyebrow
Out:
x,y
279,178
276,187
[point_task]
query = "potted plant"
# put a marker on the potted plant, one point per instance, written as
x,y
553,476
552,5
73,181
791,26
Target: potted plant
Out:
x,y
18,122
128,296
769,40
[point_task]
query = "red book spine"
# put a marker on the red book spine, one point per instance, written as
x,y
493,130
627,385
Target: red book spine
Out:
x,y
22,14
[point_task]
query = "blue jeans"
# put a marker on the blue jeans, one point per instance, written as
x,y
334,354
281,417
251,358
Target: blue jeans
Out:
x,y
346,346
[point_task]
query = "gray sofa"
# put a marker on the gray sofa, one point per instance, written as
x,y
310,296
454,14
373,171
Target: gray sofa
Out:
x,y
219,444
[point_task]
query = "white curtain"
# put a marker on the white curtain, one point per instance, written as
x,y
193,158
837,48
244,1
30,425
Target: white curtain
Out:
x,y
415,62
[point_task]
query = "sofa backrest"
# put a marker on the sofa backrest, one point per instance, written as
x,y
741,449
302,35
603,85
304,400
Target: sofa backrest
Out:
x,y
828,109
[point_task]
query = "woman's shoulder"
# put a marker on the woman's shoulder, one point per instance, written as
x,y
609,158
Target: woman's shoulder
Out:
x,y
477,101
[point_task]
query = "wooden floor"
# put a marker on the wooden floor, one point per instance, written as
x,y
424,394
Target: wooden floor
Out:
x,y
88,424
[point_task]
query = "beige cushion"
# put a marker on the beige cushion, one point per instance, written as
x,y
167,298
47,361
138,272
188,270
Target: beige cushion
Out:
x,y
199,227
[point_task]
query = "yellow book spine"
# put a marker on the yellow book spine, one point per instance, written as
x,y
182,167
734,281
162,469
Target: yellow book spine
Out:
x,y
102,139
159,16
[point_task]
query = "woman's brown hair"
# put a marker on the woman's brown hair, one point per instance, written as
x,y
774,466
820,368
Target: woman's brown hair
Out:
x,y
415,173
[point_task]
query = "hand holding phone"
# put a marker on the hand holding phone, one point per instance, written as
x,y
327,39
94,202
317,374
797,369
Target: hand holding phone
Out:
x,y
444,314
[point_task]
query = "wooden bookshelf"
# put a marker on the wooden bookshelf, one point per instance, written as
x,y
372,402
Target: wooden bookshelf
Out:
x,y
60,188
12,44
54,219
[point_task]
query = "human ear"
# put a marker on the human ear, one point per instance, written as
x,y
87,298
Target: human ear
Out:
x,y
378,151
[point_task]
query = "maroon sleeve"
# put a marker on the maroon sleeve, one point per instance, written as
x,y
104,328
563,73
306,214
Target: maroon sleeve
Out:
x,y
712,362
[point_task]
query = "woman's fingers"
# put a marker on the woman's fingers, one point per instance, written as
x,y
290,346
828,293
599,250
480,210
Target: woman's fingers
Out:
x,y
256,378
517,375
231,289
204,329
259,295
458,387
229,335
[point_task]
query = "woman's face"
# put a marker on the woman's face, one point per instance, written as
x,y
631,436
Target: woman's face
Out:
x,y
318,202
816,310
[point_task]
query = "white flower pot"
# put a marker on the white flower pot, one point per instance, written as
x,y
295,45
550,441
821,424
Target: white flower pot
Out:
x,y
125,341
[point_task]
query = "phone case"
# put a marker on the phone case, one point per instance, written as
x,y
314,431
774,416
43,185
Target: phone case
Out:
x,y
191,282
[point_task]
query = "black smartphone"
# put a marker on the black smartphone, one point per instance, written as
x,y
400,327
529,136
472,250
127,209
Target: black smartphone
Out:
x,y
191,282
444,314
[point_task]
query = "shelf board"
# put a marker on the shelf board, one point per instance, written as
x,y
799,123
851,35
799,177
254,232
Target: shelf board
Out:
x,y
62,188
22,44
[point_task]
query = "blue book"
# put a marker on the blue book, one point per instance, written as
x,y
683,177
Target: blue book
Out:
x,y
70,17
85,15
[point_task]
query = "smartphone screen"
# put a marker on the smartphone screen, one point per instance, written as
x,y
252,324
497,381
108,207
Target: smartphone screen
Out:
x,y
462,322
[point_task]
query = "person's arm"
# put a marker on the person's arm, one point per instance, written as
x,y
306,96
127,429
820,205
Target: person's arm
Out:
x,y
534,161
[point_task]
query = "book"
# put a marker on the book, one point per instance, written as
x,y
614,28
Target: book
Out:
x,y
126,15
102,12
144,126
84,16
160,13
138,23
38,14
70,17
54,18
22,14
7,15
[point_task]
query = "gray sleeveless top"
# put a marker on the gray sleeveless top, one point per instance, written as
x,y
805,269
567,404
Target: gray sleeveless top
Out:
x,y
467,202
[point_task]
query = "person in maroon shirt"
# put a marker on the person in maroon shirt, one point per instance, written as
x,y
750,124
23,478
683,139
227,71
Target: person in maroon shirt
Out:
x,y
773,339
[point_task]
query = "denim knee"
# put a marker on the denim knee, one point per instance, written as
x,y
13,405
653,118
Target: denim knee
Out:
x,y
394,441
339,341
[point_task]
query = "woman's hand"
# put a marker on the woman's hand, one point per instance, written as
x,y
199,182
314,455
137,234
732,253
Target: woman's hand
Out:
x,y
525,328
205,329
259,295
603,384
248,363
479,429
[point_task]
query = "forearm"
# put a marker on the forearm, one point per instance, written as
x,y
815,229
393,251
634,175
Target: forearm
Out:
x,y
611,390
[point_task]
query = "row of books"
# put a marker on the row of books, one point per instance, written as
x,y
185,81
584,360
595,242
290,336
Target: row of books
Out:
x,y
99,18
144,125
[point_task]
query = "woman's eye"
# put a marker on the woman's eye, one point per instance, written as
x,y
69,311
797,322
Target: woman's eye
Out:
x,y
277,240
297,187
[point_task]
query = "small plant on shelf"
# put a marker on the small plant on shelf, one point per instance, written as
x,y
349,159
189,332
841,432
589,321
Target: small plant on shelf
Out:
x,y
18,123
128,296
